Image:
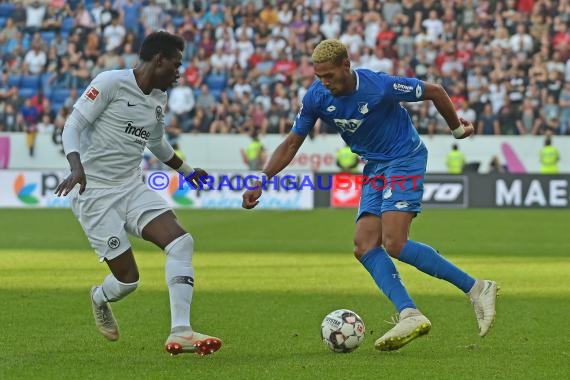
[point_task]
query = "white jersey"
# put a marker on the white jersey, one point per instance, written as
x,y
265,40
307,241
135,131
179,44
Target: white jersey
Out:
x,y
123,120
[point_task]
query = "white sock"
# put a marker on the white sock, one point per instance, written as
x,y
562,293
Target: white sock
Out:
x,y
476,289
409,311
180,279
112,290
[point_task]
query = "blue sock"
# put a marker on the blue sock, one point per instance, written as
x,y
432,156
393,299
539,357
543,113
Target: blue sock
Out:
x,y
429,261
384,272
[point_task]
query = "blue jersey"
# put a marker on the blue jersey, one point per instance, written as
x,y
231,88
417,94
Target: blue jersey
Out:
x,y
370,119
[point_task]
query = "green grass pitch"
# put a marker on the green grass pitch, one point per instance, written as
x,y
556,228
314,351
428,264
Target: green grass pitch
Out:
x,y
265,280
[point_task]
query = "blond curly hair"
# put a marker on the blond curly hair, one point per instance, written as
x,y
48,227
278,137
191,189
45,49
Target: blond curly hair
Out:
x,y
329,51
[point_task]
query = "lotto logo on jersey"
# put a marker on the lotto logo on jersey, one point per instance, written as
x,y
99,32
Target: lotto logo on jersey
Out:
x,y
418,91
91,94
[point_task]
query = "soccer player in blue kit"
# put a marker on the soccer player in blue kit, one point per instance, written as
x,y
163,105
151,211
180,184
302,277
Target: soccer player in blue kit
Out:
x,y
365,107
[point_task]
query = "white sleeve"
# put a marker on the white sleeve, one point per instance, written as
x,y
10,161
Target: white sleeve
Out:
x,y
97,96
161,149
74,125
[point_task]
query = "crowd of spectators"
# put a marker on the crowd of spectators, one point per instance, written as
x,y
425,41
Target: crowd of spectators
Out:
x,y
246,65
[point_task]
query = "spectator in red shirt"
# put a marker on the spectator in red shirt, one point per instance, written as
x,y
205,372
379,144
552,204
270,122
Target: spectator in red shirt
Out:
x,y
207,43
193,74
385,36
561,39
525,6
284,65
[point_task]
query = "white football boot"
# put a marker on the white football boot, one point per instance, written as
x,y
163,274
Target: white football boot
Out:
x,y
483,297
410,325
104,319
182,339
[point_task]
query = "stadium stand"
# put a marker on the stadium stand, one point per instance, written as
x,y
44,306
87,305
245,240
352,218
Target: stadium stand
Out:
x,y
506,52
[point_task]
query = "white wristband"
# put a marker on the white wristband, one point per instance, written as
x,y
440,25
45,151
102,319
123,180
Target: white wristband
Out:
x,y
185,169
458,132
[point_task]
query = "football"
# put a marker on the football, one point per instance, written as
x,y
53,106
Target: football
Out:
x,y
342,331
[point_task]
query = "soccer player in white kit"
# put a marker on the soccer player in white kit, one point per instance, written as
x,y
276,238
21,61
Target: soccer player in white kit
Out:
x,y
104,138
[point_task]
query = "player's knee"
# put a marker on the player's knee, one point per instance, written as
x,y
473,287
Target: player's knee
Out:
x,y
393,246
361,246
181,248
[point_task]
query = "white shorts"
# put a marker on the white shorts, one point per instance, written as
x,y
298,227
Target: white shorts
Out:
x,y
108,215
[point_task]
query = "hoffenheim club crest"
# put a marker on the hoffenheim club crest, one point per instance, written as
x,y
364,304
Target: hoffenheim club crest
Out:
x,y
363,108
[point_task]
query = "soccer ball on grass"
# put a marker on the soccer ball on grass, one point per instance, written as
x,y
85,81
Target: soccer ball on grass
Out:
x,y
342,331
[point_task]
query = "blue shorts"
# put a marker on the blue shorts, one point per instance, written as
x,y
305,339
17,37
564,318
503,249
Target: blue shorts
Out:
x,y
396,185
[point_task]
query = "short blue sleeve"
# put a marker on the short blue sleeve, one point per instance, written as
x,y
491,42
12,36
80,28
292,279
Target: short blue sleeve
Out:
x,y
307,116
402,89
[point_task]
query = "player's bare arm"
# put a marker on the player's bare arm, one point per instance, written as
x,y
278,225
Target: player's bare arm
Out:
x,y
442,102
192,175
282,156
77,176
